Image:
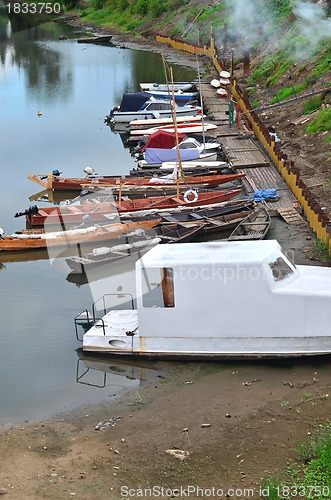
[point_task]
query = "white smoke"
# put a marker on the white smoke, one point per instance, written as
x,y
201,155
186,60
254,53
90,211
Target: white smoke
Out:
x,y
249,19
313,25
252,22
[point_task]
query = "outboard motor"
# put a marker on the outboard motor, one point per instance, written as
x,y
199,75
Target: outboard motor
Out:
x,y
111,113
28,211
89,171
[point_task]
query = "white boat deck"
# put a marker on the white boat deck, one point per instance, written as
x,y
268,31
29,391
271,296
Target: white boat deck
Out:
x,y
121,321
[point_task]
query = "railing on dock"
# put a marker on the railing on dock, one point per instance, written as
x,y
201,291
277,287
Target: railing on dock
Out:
x,y
317,218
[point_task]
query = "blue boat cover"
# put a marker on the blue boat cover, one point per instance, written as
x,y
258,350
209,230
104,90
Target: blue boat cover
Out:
x,y
264,194
133,101
156,155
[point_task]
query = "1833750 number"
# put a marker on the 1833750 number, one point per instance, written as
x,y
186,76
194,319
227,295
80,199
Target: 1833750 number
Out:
x,y
33,8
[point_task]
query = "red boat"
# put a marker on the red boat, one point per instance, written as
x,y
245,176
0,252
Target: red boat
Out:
x,y
76,184
71,214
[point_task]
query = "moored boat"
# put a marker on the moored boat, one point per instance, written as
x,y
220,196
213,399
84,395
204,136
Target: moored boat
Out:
x,y
141,105
254,227
185,296
99,40
144,241
152,122
186,128
179,95
76,184
59,183
31,240
177,86
71,214
155,157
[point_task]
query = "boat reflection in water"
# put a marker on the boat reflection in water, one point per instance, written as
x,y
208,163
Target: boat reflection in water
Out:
x,y
116,281
119,375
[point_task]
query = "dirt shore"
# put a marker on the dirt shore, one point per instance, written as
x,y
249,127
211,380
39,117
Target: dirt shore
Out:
x,y
235,423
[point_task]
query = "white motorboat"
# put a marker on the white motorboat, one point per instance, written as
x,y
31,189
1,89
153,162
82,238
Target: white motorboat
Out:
x,y
155,158
177,86
202,147
185,128
218,300
142,105
195,164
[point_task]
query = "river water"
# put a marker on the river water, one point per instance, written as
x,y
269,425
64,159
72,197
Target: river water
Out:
x,y
73,86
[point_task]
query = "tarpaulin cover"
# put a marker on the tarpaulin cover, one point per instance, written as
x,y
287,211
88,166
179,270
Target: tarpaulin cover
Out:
x,y
133,101
162,139
265,194
158,155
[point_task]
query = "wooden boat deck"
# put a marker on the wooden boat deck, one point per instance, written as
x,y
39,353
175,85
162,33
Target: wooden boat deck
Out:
x,y
246,155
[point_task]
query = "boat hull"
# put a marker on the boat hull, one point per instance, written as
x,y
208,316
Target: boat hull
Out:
x,y
99,211
185,297
70,238
76,184
128,116
217,349
254,227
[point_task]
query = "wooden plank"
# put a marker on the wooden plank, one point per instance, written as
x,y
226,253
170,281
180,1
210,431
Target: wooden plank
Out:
x,y
291,216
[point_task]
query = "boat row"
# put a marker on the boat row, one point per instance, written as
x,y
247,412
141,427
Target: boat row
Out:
x,y
192,298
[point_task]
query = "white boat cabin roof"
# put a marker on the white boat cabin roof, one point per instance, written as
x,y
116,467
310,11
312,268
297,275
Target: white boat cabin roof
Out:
x,y
220,253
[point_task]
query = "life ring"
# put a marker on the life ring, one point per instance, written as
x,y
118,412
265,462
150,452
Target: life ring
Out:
x,y
186,195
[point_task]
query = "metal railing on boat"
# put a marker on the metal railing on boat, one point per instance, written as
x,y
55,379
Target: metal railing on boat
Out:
x,y
86,320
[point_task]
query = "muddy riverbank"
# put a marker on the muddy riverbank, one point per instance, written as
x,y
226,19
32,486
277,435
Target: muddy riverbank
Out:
x,y
236,424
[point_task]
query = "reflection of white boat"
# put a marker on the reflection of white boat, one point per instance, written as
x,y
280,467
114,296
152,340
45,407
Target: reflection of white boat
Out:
x,y
188,298
117,374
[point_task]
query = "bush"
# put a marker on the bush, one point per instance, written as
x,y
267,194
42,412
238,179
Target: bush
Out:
x,y
313,104
321,123
141,7
157,7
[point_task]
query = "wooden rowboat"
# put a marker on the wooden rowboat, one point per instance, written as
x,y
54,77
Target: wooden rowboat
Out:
x,y
99,40
76,183
37,240
163,233
72,214
254,227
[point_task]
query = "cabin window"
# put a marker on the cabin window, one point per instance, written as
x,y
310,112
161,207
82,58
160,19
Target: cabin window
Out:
x,y
157,106
158,287
280,269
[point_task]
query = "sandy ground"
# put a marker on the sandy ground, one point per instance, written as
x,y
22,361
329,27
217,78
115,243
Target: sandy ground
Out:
x,y
235,423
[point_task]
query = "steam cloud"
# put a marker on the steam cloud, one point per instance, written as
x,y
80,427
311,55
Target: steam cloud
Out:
x,y
250,20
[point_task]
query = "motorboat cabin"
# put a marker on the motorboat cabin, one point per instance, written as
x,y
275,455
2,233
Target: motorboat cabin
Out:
x,y
218,300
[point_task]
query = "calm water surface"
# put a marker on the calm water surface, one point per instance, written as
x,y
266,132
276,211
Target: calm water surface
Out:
x,y
74,86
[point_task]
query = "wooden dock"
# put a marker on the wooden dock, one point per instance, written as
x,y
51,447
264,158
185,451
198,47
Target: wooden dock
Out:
x,y
246,155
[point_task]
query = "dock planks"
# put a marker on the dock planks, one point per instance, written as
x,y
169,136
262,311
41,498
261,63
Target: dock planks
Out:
x,y
246,155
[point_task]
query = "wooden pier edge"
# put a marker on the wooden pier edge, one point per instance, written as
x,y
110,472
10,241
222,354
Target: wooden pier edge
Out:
x,y
318,221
